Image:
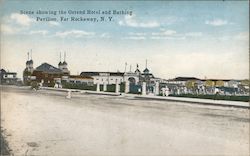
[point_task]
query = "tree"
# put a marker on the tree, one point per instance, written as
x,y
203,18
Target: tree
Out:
x,y
245,82
219,83
209,83
190,84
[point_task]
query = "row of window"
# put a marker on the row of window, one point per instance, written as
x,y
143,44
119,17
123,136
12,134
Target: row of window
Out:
x,y
108,79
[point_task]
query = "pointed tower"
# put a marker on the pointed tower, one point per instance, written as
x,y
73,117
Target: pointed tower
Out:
x,y
28,62
146,71
28,71
31,62
65,65
137,71
60,64
64,62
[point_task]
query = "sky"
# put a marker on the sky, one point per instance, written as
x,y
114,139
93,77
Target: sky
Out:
x,y
204,39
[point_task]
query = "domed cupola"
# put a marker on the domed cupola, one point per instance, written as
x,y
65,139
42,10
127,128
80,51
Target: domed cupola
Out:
x,y
146,70
60,63
64,63
31,62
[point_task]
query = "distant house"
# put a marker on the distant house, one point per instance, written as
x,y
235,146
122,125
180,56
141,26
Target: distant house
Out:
x,y
233,83
182,80
8,77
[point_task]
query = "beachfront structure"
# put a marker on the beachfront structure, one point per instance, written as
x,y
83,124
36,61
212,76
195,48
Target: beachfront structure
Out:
x,y
136,77
45,74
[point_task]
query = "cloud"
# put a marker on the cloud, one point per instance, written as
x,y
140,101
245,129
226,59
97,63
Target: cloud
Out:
x,y
167,38
105,35
74,33
39,32
172,34
15,23
23,20
53,23
165,33
135,38
131,22
169,20
194,34
217,22
137,34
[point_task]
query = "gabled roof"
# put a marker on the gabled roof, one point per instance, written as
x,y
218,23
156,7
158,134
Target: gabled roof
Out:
x,y
64,63
2,71
116,74
216,80
185,78
89,73
80,77
146,70
45,67
137,71
98,73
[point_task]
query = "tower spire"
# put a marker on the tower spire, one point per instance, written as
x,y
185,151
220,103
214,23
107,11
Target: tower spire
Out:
x,y
31,54
28,56
60,57
64,56
125,67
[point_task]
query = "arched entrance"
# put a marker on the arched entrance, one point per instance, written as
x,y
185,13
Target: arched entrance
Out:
x,y
131,80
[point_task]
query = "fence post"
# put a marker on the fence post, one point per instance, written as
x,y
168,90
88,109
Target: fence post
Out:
x,y
104,86
143,88
69,94
157,88
98,87
127,87
117,87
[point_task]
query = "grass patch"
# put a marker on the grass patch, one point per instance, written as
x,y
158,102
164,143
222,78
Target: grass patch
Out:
x,y
215,97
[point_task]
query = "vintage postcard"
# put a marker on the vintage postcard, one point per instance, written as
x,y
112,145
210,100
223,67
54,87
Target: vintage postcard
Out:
x,y
111,78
